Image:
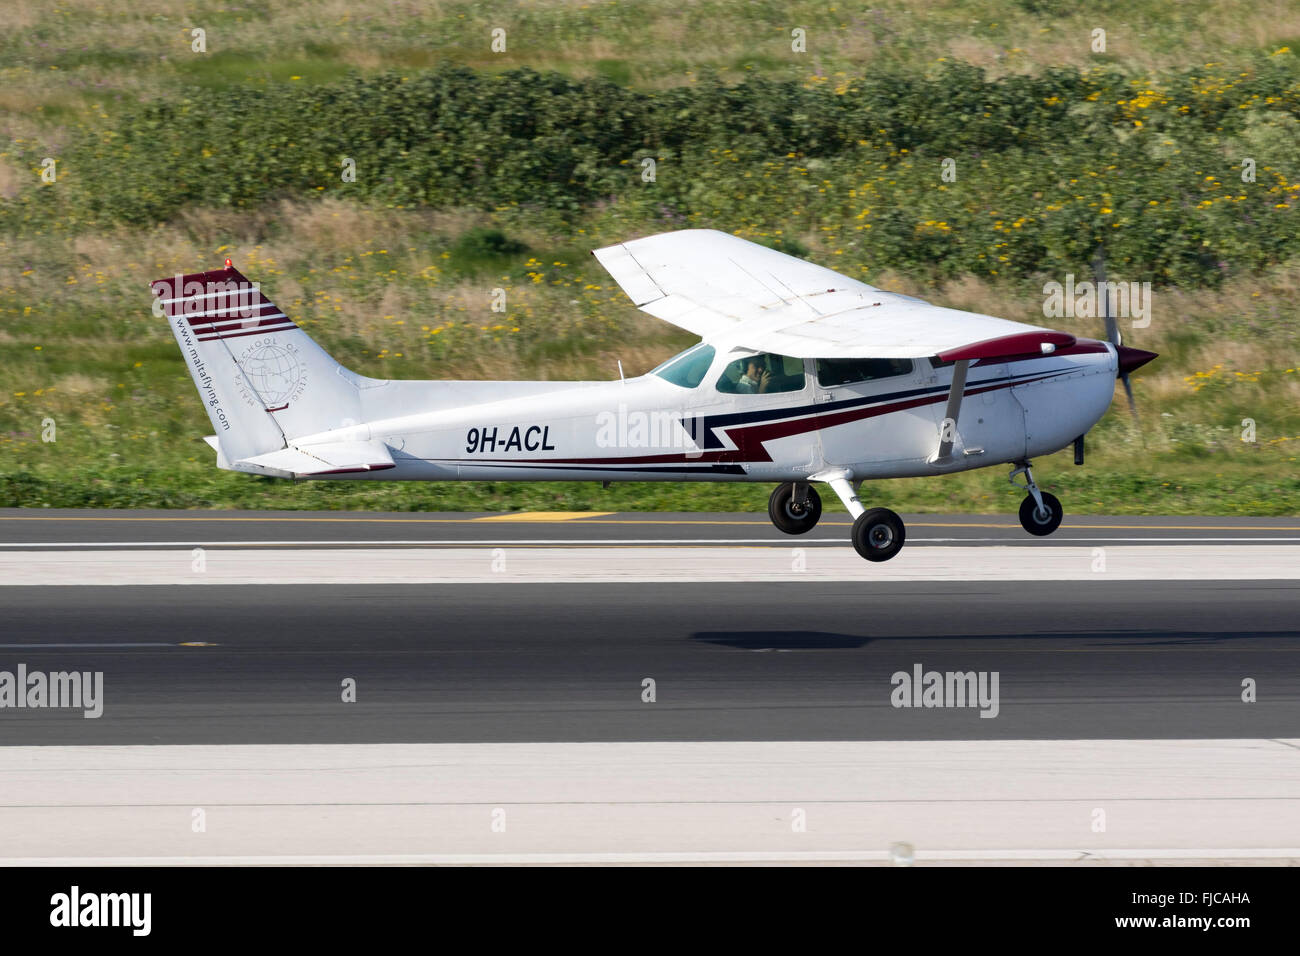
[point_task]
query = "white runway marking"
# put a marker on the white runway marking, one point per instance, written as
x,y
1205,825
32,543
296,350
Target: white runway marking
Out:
x,y
637,564
955,801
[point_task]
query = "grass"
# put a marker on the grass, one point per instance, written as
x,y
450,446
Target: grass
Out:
x,y
58,61
405,293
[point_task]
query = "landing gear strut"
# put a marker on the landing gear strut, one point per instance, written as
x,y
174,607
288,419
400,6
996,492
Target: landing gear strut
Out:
x,y
878,534
1040,512
794,507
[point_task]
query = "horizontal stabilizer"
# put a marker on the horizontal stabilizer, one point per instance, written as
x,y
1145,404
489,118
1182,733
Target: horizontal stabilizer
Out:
x,y
215,444
334,458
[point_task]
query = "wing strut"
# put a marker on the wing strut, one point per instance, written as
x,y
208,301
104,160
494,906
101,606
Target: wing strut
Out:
x,y
948,429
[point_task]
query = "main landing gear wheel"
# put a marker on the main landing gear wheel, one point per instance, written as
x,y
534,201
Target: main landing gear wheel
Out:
x,y
878,534
1041,521
791,513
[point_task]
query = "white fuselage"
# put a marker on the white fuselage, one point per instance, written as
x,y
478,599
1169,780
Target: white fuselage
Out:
x,y
648,429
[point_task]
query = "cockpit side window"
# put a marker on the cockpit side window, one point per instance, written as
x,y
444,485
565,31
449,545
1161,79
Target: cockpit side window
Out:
x,y
832,372
764,373
688,368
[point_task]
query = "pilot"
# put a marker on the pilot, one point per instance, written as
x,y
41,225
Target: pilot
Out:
x,y
756,378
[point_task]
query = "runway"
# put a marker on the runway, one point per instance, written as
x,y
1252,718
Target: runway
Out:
x,y
527,662
231,636
530,628
82,529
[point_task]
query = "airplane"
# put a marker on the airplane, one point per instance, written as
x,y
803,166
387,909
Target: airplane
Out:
x,y
802,377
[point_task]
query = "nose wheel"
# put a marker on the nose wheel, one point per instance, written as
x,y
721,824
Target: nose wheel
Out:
x,y
1041,521
1040,512
794,507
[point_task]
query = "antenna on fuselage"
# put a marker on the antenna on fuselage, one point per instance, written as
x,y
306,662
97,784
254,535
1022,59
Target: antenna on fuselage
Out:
x,y
620,371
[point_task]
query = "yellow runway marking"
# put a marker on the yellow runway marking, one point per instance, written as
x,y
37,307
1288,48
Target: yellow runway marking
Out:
x,y
544,516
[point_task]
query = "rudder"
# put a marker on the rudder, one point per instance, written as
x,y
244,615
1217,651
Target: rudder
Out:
x,y
262,379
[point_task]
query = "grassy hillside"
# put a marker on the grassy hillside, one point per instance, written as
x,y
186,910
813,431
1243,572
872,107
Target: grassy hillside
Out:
x,y
472,175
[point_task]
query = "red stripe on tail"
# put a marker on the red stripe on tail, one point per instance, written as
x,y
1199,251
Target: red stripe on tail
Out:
x,y
219,304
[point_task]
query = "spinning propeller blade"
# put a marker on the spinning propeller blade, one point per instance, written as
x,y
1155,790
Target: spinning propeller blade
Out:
x,y
1129,358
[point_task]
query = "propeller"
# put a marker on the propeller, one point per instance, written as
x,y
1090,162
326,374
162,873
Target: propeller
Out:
x,y
1129,359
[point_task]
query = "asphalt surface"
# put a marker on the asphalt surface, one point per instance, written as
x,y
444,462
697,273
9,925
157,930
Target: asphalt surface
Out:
x,y
25,527
566,662
519,662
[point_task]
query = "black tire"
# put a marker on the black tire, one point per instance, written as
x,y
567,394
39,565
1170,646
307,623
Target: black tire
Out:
x,y
878,534
1035,523
791,516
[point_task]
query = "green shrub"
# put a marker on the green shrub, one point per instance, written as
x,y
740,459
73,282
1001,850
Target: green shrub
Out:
x,y
1047,165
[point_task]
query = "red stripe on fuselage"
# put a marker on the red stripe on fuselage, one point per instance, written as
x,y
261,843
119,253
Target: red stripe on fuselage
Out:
x,y
749,438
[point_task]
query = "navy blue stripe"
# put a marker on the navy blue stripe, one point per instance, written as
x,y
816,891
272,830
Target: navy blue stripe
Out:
x,y
711,422
708,423
703,467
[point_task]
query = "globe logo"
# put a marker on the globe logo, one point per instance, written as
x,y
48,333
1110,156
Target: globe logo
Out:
x,y
274,372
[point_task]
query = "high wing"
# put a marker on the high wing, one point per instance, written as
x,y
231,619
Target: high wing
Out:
x,y
723,287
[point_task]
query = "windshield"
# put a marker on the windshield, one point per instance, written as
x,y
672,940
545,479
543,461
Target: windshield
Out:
x,y
688,368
